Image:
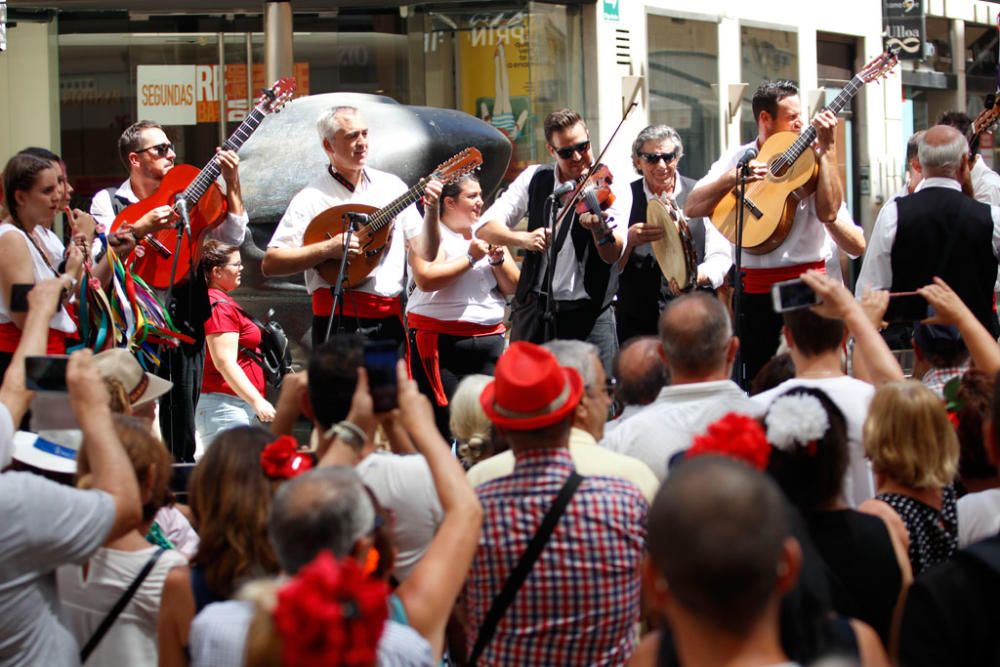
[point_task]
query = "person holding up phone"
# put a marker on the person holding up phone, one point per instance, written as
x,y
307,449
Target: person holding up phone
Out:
x,y
33,191
455,314
232,387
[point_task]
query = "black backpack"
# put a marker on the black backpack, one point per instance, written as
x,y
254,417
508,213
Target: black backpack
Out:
x,y
275,355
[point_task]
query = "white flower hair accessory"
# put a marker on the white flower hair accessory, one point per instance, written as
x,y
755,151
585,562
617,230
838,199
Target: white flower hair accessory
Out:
x,y
798,418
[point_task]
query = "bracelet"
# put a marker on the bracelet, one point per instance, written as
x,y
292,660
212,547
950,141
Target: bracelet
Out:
x,y
349,433
498,263
472,260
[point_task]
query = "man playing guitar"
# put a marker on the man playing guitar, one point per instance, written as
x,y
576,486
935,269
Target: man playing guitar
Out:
x,y
776,108
148,154
372,308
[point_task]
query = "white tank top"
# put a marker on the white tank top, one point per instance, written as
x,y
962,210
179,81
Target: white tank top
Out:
x,y
472,297
50,243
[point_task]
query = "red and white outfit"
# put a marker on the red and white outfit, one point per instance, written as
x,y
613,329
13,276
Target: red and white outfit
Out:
x,y
61,323
472,306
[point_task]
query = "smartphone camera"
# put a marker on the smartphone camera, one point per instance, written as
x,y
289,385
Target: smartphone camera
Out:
x,y
380,363
46,373
793,295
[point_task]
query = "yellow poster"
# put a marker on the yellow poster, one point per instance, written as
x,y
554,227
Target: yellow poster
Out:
x,y
494,62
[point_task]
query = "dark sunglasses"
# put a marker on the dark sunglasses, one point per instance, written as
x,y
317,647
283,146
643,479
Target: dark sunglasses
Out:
x,y
161,149
653,158
567,152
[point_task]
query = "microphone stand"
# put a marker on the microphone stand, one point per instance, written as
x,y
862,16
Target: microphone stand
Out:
x,y
338,289
742,170
182,225
549,316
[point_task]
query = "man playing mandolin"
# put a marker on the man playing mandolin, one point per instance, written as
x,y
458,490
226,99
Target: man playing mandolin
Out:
x,y
372,308
776,108
584,281
149,155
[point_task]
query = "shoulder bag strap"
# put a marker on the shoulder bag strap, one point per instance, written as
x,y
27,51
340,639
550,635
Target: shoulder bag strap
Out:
x,y
120,605
520,573
253,354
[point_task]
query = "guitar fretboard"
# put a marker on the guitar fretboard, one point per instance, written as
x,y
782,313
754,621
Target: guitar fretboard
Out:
x,y
806,139
387,214
211,171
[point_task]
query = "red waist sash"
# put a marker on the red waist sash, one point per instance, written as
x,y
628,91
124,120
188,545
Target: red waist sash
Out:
x,y
10,336
759,281
427,331
357,304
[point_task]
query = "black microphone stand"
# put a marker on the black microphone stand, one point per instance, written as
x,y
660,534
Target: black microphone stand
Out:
x,y
183,224
742,171
338,289
549,316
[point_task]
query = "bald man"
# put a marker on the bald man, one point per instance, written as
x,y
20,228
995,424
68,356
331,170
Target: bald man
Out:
x,y
936,231
639,374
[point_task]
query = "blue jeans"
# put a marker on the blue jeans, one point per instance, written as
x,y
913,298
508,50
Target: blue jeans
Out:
x,y
220,412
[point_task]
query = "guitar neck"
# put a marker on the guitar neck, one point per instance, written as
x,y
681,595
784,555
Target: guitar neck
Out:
x,y
808,136
208,175
388,213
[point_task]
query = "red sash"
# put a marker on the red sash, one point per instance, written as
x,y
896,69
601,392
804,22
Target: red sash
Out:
x,y
759,281
357,304
428,329
10,336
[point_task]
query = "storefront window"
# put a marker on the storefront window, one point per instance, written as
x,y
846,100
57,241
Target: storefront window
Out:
x,y
766,54
683,78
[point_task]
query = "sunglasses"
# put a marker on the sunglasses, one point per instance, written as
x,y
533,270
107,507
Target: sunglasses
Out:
x,y
161,149
567,152
653,158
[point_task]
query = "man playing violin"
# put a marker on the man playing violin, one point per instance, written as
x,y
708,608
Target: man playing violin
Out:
x,y
372,308
148,155
587,245
816,229
642,290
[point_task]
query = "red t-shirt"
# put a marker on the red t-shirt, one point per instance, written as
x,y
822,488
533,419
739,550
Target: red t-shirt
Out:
x,y
227,318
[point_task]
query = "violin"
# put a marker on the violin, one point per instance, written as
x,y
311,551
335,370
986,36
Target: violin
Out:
x,y
593,194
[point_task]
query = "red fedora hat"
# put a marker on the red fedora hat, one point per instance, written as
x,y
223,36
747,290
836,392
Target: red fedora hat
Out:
x,y
531,390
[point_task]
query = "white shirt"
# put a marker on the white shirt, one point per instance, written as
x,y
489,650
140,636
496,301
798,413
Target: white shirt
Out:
x,y
853,397
567,279
985,182
472,297
718,252
978,516
404,485
40,267
876,271
230,232
808,239
669,424
376,188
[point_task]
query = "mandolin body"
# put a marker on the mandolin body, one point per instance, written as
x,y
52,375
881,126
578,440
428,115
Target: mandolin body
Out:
x,y
374,245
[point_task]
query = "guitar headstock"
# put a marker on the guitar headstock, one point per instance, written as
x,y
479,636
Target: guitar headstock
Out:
x,y
458,165
275,97
986,119
880,66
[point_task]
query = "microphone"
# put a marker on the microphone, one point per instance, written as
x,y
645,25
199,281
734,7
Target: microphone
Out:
x,y
357,219
180,203
562,189
744,164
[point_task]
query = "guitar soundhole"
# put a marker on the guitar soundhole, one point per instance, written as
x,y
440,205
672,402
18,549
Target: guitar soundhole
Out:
x,y
779,166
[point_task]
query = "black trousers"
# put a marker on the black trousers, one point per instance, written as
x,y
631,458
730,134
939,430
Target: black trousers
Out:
x,y
382,328
760,332
184,366
458,356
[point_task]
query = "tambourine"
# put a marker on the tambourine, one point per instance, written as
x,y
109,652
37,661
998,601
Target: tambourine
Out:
x,y
675,252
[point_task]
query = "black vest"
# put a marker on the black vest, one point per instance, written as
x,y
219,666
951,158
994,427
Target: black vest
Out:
x,y
942,232
599,280
641,283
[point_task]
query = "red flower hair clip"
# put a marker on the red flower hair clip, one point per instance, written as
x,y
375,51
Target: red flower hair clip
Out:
x,y
282,459
736,436
331,614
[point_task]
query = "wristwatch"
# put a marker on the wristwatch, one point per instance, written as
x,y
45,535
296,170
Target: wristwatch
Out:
x,y
472,260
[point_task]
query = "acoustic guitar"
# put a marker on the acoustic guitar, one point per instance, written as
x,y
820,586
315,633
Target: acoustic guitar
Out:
x,y
206,203
376,233
792,170
983,123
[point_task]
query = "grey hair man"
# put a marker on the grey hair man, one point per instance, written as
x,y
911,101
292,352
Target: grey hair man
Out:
x,y
698,347
588,419
936,231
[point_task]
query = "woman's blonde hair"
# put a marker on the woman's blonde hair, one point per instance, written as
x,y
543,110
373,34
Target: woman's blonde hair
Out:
x,y
468,422
908,436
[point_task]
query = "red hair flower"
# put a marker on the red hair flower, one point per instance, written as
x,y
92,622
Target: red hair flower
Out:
x,y
736,436
331,614
282,459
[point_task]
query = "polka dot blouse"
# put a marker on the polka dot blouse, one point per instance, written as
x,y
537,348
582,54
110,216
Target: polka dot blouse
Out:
x,y
933,534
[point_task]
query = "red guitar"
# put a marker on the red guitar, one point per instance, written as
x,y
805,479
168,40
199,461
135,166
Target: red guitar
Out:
x,y
206,203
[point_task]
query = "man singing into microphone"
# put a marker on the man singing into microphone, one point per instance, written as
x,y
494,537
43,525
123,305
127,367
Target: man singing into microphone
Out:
x,y
821,221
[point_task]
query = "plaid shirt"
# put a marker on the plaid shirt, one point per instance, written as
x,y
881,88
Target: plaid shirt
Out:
x,y
936,378
580,604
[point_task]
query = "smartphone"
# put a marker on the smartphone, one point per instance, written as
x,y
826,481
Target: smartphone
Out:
x,y
380,363
46,373
19,297
793,295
